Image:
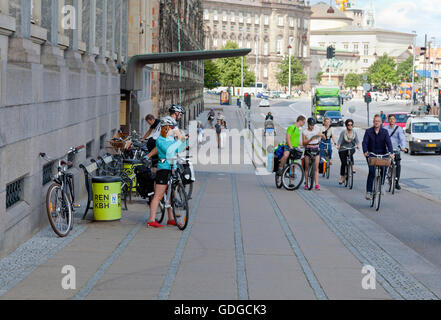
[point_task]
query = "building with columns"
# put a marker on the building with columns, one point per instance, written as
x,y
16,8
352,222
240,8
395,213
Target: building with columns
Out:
x,y
268,25
59,88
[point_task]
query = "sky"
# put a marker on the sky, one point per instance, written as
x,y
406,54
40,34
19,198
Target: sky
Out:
x,y
422,16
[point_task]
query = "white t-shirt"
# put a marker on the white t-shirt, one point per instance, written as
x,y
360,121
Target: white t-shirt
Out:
x,y
309,134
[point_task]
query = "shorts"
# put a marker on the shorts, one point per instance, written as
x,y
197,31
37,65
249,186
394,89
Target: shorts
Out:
x,y
162,176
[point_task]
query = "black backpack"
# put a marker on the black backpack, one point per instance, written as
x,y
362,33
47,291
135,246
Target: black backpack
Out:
x,y
145,178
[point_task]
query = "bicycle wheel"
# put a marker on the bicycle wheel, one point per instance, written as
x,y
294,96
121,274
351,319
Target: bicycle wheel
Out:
x,y
378,192
350,176
328,169
311,175
160,212
189,190
292,176
279,182
347,175
59,210
180,208
394,174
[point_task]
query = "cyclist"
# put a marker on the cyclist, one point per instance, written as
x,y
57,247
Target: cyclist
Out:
x,y
292,140
169,143
311,141
211,116
398,140
376,140
329,135
154,130
269,116
348,139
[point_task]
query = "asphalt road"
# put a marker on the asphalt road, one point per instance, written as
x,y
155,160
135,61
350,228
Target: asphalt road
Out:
x,y
413,215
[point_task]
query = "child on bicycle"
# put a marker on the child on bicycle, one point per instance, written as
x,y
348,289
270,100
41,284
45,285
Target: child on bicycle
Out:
x,y
348,139
167,147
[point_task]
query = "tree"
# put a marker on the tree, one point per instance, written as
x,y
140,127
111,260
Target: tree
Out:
x,y
230,69
298,77
383,73
319,76
211,75
405,70
353,80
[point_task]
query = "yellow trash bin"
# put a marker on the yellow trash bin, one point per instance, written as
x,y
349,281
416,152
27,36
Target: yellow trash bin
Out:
x,y
106,198
129,167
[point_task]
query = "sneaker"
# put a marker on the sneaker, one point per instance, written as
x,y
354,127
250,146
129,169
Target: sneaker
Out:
x,y
397,186
306,187
368,195
171,223
154,224
317,187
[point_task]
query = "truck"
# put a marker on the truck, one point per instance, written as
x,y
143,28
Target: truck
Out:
x,y
325,99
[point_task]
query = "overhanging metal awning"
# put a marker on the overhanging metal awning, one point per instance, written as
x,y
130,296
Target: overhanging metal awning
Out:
x,y
132,79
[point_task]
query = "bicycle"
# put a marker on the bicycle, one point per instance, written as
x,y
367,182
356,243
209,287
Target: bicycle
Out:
x,y
379,161
312,153
391,175
292,174
60,196
349,171
327,172
175,197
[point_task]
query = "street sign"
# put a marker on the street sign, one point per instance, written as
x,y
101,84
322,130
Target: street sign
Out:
x,y
366,86
351,109
365,77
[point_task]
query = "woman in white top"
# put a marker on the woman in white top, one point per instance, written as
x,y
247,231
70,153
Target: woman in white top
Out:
x,y
311,140
326,144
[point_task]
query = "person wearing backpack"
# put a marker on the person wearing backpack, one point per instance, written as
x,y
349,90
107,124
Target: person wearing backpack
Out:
x,y
398,140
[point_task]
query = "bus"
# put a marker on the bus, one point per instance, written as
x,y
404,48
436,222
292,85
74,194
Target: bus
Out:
x,y
325,99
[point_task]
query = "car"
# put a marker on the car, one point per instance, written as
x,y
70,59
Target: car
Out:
x,y
423,134
284,95
259,95
264,103
401,119
274,94
336,118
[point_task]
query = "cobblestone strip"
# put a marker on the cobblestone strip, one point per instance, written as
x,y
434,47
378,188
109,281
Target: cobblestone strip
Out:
x,y
307,270
389,273
241,276
25,259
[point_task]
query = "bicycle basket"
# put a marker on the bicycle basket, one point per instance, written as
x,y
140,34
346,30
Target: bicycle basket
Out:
x,y
385,162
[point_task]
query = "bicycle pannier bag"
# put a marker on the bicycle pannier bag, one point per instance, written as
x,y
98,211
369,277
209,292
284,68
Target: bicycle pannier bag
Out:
x,y
379,162
188,176
276,162
145,178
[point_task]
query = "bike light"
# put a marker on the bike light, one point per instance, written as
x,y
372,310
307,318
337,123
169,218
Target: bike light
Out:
x,y
419,141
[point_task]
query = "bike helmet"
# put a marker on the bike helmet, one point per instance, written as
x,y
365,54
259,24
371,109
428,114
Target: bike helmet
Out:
x,y
168,121
176,108
311,122
347,121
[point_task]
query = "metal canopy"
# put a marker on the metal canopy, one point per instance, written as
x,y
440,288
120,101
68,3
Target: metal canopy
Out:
x,y
132,79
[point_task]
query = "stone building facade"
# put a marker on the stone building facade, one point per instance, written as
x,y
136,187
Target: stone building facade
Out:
x,y
268,25
59,88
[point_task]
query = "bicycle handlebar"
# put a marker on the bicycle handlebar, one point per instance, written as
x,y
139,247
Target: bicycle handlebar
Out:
x,y
380,156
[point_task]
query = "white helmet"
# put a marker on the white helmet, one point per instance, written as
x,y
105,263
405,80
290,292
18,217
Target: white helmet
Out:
x,y
168,121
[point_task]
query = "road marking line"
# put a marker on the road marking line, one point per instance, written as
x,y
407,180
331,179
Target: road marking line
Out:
x,y
310,276
242,284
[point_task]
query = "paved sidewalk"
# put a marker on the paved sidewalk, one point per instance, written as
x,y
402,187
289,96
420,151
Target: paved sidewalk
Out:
x,y
245,240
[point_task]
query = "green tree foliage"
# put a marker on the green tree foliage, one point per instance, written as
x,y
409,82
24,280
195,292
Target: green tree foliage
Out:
x,y
318,77
298,77
353,80
230,69
405,70
211,74
383,73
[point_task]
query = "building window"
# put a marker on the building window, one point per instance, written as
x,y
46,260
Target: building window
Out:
x,y
232,17
305,24
240,17
298,22
232,28
240,28
356,47
224,27
146,86
47,173
366,49
280,21
215,15
206,14
266,48
14,192
365,60
102,141
279,46
291,40
248,29
89,149
256,19
346,46
266,20
224,16
265,72
224,42
248,44
240,43
248,17
291,22
215,42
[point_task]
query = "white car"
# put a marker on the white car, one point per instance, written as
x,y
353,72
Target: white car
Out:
x,y
284,95
423,134
264,103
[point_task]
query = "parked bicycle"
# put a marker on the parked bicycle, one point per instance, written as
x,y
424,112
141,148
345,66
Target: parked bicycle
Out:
x,y
292,174
349,171
380,162
60,196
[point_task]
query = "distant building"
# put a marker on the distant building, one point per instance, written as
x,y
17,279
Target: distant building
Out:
x,y
269,26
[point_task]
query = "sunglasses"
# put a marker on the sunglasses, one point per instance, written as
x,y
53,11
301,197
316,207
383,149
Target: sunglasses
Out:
x,y
349,125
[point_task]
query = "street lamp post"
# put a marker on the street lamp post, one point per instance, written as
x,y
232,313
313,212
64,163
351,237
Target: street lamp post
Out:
x,y
413,67
257,67
290,75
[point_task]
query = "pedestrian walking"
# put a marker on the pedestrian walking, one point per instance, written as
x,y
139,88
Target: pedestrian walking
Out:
x,y
383,117
218,128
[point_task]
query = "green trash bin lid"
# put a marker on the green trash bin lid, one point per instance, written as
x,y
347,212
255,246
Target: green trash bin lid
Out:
x,y
106,179
131,161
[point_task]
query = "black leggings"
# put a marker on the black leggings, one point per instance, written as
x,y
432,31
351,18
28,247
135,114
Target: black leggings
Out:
x,y
343,156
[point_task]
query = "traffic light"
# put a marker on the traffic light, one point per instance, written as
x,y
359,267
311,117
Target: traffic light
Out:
x,y
330,52
439,97
368,97
247,99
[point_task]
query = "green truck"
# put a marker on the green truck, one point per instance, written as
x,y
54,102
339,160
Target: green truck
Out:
x,y
325,99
